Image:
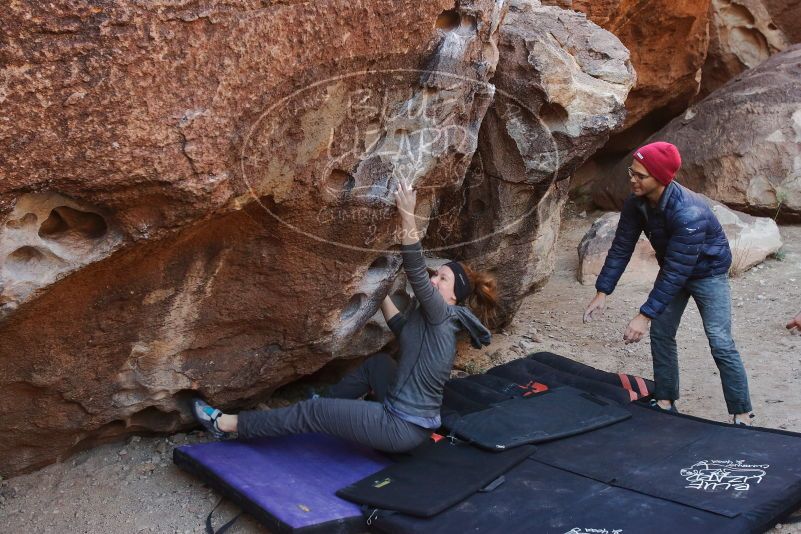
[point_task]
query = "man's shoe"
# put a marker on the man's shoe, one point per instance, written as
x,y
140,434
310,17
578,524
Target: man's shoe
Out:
x,y
207,417
748,421
672,409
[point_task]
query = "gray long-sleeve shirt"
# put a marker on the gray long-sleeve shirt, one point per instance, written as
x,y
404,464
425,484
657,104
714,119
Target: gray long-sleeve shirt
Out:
x,y
427,336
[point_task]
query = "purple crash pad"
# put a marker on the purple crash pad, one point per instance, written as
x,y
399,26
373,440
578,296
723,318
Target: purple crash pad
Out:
x,y
289,482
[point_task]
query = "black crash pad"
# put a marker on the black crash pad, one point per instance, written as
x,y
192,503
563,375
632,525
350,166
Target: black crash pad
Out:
x,y
711,466
435,477
542,499
546,416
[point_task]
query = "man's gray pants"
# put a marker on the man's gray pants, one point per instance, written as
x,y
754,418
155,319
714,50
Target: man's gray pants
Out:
x,y
365,422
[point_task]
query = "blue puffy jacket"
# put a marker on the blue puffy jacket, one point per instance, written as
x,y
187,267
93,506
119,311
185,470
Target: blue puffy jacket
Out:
x,y
687,237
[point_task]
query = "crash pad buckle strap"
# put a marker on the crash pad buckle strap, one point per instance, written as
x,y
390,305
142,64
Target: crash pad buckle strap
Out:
x,y
452,438
626,383
222,529
642,386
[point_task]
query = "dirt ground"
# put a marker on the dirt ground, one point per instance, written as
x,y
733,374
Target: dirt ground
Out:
x,y
133,487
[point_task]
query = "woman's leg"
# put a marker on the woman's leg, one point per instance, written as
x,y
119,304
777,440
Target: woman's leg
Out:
x,y
375,374
364,422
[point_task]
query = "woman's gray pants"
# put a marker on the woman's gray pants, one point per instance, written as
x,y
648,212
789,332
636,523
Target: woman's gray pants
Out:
x,y
365,422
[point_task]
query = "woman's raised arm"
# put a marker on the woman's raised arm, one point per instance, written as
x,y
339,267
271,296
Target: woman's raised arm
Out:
x,y
434,306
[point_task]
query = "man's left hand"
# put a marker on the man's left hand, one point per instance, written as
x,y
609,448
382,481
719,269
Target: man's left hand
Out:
x,y
636,329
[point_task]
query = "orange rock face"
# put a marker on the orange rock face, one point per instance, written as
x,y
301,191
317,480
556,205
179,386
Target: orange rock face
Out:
x,y
195,196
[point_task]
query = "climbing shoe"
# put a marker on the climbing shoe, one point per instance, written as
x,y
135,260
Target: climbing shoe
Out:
x,y
207,416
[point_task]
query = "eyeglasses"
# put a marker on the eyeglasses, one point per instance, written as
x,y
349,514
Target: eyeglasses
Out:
x,y
638,175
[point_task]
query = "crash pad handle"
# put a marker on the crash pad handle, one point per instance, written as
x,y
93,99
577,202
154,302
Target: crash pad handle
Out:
x,y
222,529
492,485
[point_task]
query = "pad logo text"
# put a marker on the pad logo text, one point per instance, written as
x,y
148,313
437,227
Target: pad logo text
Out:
x,y
723,475
579,530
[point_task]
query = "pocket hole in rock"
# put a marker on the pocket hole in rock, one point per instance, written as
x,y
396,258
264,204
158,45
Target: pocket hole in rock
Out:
x,y
64,221
30,263
26,254
381,270
469,21
353,306
151,418
27,219
477,206
340,183
381,263
448,20
553,114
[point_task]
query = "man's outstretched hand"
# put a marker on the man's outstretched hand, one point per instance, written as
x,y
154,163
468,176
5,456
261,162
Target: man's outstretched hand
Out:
x,y
596,307
636,329
795,323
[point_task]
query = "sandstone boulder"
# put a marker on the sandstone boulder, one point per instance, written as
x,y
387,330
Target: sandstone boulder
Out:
x,y
595,245
741,145
561,83
752,239
742,35
786,15
668,41
196,196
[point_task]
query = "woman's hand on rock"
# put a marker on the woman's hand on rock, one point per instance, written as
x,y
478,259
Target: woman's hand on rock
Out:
x,y
406,200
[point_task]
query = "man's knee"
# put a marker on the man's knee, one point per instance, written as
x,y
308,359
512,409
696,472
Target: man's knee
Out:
x,y
721,342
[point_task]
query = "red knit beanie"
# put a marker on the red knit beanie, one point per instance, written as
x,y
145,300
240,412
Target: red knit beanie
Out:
x,y
661,159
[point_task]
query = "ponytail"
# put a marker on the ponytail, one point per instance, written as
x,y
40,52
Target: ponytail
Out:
x,y
484,299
